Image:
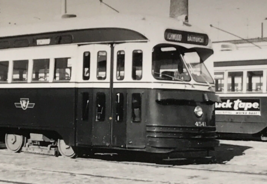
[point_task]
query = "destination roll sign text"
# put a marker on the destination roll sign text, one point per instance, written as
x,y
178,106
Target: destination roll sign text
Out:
x,y
186,37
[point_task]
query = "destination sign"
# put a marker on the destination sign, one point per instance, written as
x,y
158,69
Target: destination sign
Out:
x,y
186,37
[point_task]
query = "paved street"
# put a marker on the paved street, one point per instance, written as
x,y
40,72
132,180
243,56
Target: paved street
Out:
x,y
237,162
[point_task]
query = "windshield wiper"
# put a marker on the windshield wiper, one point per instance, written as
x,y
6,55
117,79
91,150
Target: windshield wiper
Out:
x,y
207,82
169,76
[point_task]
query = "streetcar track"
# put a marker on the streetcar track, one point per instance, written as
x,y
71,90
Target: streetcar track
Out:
x,y
176,165
223,171
150,165
129,179
103,176
147,164
14,182
196,169
136,162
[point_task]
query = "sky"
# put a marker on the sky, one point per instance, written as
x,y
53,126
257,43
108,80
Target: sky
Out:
x,y
240,17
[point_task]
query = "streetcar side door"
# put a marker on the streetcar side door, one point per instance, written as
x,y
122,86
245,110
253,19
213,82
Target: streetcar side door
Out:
x,y
129,97
101,126
93,96
119,98
111,101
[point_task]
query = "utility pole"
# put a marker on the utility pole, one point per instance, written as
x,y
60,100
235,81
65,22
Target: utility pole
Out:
x,y
262,28
64,8
179,9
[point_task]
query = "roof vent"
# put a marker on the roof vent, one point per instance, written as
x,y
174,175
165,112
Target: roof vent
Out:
x,y
228,47
64,16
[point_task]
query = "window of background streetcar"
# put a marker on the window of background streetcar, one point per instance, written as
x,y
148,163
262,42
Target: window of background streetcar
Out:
x,y
40,70
254,80
219,81
20,70
3,71
137,65
235,81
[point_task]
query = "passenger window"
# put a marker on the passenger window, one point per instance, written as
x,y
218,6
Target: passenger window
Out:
x,y
235,81
119,107
101,65
137,68
136,107
100,106
3,71
20,70
40,71
219,81
254,81
62,69
120,65
86,65
85,106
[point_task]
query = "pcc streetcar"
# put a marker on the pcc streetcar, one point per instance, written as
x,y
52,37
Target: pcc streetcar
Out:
x,y
118,82
240,81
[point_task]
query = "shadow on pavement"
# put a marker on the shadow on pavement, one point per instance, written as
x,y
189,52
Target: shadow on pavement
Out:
x,y
221,155
142,158
226,152
2,145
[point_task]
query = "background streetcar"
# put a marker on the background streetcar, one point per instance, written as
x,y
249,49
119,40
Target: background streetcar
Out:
x,y
240,81
122,82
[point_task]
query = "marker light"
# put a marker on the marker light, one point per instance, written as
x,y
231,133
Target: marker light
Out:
x,y
198,111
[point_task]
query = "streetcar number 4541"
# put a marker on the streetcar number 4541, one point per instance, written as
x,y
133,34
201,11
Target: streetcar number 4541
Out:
x,y
201,123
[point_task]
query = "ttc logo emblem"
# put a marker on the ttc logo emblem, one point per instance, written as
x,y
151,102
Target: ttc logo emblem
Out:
x,y
24,104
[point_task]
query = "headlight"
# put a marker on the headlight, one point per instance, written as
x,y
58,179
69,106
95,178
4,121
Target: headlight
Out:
x,y
198,111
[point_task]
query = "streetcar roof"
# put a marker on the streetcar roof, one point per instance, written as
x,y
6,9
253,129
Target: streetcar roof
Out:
x,y
240,55
134,22
152,28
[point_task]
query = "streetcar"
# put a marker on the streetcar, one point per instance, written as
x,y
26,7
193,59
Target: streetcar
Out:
x,y
120,82
240,81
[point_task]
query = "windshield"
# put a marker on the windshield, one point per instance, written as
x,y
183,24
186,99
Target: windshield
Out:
x,y
197,68
167,64
178,64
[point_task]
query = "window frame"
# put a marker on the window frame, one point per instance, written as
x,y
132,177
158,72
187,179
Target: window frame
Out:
x,y
135,67
98,77
7,72
69,62
248,87
219,79
245,80
86,66
48,69
118,65
27,71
